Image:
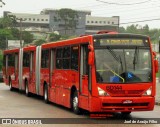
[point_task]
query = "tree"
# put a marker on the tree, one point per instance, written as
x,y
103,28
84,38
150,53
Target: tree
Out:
x,y
122,30
54,37
1,60
39,42
132,29
27,37
5,34
146,29
15,33
9,32
69,17
8,22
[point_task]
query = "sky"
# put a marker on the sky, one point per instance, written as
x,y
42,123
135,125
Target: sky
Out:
x,y
128,10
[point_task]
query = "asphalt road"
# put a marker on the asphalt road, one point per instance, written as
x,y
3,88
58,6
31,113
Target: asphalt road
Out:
x,y
16,105
158,92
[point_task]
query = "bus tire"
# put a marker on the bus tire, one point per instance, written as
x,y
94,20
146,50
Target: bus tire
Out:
x,y
27,89
75,107
10,86
46,94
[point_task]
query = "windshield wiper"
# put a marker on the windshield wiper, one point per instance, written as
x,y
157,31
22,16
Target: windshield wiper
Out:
x,y
118,59
121,62
113,54
135,59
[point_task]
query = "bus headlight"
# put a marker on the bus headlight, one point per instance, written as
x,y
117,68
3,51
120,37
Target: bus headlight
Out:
x,y
148,92
102,92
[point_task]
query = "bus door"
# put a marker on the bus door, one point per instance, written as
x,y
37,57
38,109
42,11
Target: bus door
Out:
x,y
84,76
52,89
15,81
5,68
14,74
32,72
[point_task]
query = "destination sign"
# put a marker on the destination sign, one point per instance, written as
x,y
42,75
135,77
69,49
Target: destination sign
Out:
x,y
117,41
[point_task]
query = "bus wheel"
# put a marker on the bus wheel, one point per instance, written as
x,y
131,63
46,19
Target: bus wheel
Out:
x,y
26,89
46,94
75,107
126,113
10,85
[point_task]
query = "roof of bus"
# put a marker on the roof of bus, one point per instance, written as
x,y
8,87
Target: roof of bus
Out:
x,y
88,38
127,35
30,48
79,40
11,50
74,41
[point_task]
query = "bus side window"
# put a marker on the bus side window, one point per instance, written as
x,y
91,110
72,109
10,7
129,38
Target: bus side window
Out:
x,y
66,57
85,59
16,61
5,63
26,59
59,53
31,61
45,59
4,60
11,60
74,57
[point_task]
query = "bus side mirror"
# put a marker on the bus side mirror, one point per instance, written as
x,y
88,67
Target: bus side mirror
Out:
x,y
91,58
90,55
156,65
155,62
154,54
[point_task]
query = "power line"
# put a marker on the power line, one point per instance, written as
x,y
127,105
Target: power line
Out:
x,y
2,3
123,4
114,24
140,21
151,6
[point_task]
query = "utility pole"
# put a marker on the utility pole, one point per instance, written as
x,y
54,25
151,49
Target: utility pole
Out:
x,y
118,22
20,32
20,29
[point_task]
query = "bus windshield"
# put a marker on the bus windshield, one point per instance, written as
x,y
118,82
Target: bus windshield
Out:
x,y
123,65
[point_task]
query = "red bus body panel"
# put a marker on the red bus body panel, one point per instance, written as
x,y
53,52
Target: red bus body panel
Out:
x,y
60,83
26,74
10,73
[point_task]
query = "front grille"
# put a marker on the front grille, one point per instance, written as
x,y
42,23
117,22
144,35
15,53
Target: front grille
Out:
x,y
126,92
135,91
124,105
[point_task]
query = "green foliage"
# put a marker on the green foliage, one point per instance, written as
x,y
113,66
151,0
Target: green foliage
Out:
x,y
39,42
27,37
144,30
69,17
4,35
1,60
15,33
8,32
54,37
6,22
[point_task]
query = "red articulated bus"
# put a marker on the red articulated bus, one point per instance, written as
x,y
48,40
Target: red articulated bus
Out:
x,y
104,72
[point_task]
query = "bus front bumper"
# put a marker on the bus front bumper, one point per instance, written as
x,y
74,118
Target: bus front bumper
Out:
x,y
121,104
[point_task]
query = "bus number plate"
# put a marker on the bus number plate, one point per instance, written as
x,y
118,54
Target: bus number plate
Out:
x,y
114,88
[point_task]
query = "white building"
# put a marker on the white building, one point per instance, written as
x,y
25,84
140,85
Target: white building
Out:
x,y
95,24
44,22
31,22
